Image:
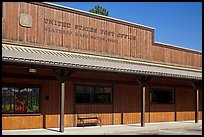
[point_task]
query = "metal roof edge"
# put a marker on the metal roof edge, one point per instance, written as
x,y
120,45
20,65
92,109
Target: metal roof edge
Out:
x,y
112,58
86,12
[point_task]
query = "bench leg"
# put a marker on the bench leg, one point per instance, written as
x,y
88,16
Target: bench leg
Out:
x,y
99,120
83,124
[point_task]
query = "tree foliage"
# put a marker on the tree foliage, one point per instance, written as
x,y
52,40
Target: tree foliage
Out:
x,y
99,10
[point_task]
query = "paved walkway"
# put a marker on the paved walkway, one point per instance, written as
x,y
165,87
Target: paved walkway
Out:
x,y
106,129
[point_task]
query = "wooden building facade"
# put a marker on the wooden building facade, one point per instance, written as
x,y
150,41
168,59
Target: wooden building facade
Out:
x,y
59,62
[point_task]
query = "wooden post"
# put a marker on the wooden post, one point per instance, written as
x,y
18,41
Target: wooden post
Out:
x,y
143,82
196,85
143,107
62,90
62,75
196,105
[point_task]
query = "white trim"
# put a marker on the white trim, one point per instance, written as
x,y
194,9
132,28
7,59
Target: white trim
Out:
x,y
97,15
177,46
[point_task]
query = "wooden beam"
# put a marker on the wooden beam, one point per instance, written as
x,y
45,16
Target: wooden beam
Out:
x,y
62,74
78,79
143,80
28,76
67,74
196,84
62,94
59,74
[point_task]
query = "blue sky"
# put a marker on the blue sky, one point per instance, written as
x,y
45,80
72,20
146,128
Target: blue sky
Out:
x,y
175,23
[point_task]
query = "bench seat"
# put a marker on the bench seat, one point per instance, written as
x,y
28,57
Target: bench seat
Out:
x,y
88,119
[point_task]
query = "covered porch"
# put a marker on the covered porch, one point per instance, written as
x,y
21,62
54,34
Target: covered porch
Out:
x,y
63,71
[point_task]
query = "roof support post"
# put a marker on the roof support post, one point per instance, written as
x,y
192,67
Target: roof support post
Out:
x,y
143,82
196,86
62,92
143,107
62,75
196,105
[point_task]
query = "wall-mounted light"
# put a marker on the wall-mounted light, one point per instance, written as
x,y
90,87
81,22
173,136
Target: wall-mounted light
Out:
x,y
31,70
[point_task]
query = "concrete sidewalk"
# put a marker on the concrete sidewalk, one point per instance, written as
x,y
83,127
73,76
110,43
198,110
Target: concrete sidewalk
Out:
x,y
106,129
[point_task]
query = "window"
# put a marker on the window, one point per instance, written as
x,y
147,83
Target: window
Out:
x,y
20,100
93,94
163,96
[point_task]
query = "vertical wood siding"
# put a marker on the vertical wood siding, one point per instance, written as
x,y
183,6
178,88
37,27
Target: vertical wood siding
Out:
x,y
185,104
162,112
142,48
127,100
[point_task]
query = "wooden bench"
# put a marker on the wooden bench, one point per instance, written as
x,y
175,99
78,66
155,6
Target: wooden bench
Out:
x,y
86,119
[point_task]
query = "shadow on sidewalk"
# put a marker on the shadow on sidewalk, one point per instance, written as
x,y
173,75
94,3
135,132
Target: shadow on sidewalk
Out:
x,y
55,130
133,125
186,122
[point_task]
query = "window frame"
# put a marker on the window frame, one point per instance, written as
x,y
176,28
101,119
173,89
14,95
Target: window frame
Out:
x,y
94,86
162,89
24,86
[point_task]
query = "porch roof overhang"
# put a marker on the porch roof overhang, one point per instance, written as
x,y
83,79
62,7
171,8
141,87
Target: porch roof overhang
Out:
x,y
31,55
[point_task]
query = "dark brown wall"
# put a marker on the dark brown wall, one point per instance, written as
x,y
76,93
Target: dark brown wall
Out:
x,y
126,104
142,47
185,104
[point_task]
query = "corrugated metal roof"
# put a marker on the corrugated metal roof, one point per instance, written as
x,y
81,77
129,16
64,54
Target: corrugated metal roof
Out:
x,y
22,54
